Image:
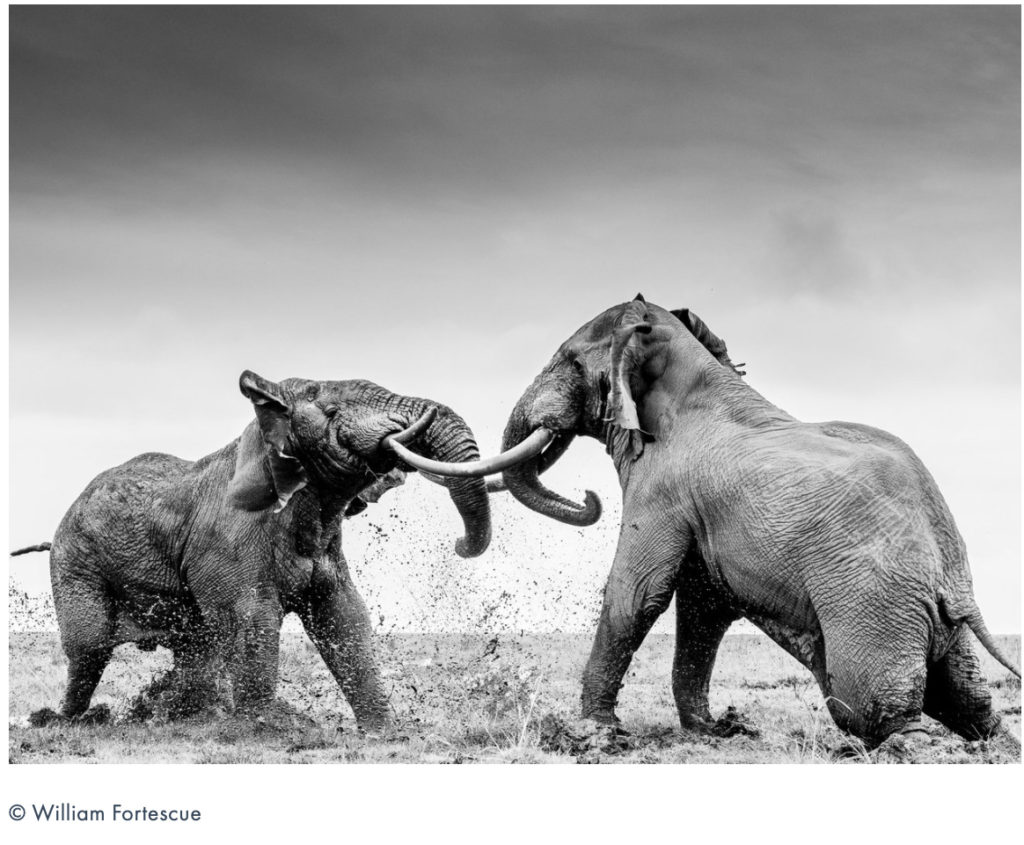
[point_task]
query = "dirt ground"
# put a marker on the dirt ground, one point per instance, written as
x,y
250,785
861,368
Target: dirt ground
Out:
x,y
471,699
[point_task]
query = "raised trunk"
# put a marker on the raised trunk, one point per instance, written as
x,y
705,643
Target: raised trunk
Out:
x,y
449,438
522,481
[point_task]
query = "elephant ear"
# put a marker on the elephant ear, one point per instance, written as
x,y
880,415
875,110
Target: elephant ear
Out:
x,y
712,342
265,473
627,356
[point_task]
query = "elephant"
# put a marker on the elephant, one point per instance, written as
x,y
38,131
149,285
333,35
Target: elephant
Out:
x,y
207,557
833,538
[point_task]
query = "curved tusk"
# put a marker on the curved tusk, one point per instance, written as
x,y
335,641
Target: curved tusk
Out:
x,y
530,447
494,485
416,429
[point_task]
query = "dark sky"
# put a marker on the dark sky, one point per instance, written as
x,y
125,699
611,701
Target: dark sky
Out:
x,y
434,198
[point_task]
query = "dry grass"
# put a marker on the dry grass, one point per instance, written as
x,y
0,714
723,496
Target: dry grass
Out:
x,y
462,699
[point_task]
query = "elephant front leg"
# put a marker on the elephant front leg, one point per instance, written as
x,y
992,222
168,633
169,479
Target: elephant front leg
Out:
x,y
638,591
253,628
338,624
702,618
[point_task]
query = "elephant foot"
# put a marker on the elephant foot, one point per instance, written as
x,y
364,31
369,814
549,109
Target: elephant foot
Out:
x,y
732,723
584,739
697,722
374,719
904,747
600,715
96,715
46,717
609,739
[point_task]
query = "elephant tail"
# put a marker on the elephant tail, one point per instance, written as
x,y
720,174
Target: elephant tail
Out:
x,y
977,624
970,614
42,547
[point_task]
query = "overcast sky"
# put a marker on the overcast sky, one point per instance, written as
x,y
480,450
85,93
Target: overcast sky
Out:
x,y
435,198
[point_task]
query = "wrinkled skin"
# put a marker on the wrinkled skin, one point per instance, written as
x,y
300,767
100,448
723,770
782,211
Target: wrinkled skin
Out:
x,y
206,557
831,537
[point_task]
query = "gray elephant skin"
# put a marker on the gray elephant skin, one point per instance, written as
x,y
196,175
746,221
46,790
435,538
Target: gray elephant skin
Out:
x,y
831,537
206,557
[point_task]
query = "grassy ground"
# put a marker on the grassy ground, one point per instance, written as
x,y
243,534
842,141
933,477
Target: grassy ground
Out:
x,y
462,699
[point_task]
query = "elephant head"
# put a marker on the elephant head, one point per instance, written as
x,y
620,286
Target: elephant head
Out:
x,y
338,438
590,387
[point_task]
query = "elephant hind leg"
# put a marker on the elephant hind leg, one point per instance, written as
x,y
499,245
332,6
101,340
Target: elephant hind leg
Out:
x,y
876,709
86,619
874,693
84,671
956,694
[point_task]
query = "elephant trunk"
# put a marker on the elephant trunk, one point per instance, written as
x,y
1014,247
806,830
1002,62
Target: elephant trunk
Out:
x,y
523,482
449,438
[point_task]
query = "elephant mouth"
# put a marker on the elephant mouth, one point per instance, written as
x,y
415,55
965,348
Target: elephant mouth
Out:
x,y
368,455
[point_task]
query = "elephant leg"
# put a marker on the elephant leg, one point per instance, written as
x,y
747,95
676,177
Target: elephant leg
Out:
x,y
956,693
254,664
86,617
195,675
702,619
85,668
873,692
639,589
247,636
338,624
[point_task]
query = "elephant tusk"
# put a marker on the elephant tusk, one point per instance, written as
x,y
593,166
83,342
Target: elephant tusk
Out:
x,y
406,435
494,485
530,447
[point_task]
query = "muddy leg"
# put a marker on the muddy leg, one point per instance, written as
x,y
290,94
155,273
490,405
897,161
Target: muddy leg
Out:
x,y
253,666
84,672
638,591
85,616
192,685
876,695
956,693
701,621
338,624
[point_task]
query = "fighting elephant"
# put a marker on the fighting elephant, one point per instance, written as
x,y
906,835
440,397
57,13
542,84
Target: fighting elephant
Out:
x,y
206,557
831,537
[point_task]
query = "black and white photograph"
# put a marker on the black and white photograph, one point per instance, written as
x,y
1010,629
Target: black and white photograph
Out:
x,y
480,384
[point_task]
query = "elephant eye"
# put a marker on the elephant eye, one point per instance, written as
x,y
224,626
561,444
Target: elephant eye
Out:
x,y
577,365
331,410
